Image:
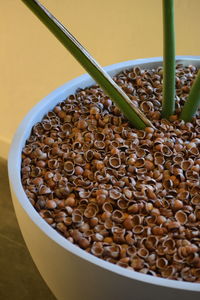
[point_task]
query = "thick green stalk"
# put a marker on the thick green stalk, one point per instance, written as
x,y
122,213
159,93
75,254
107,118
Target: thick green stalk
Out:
x,y
168,105
193,102
134,115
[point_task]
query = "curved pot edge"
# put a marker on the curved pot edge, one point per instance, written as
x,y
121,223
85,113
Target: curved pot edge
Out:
x,y
14,162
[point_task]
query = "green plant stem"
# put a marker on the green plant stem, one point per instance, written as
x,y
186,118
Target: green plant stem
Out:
x,y
134,115
193,102
168,105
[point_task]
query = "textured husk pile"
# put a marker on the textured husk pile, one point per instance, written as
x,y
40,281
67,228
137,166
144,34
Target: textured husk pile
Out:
x,y
127,196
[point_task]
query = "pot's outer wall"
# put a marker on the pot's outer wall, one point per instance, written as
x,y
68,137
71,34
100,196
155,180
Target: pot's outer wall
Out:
x,y
68,275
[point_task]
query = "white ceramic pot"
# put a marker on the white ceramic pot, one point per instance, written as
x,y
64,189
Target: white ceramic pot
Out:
x,y
70,272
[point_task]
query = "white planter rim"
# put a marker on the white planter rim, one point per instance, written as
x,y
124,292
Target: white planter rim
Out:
x,y
14,167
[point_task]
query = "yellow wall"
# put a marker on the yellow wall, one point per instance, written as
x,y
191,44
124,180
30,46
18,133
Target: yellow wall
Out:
x,y
33,63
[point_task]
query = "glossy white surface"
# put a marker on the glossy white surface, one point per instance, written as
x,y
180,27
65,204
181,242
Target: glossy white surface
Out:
x,y
69,271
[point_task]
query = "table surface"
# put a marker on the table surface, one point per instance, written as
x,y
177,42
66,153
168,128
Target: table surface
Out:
x,y
19,278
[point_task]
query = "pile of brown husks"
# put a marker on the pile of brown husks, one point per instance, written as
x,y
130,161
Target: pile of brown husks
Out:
x,y
128,196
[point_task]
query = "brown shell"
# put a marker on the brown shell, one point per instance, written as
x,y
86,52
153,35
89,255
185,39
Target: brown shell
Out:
x,y
114,194
114,162
196,200
143,253
181,217
117,216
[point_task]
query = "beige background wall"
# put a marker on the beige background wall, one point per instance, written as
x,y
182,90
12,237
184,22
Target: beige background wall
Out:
x,y
33,63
